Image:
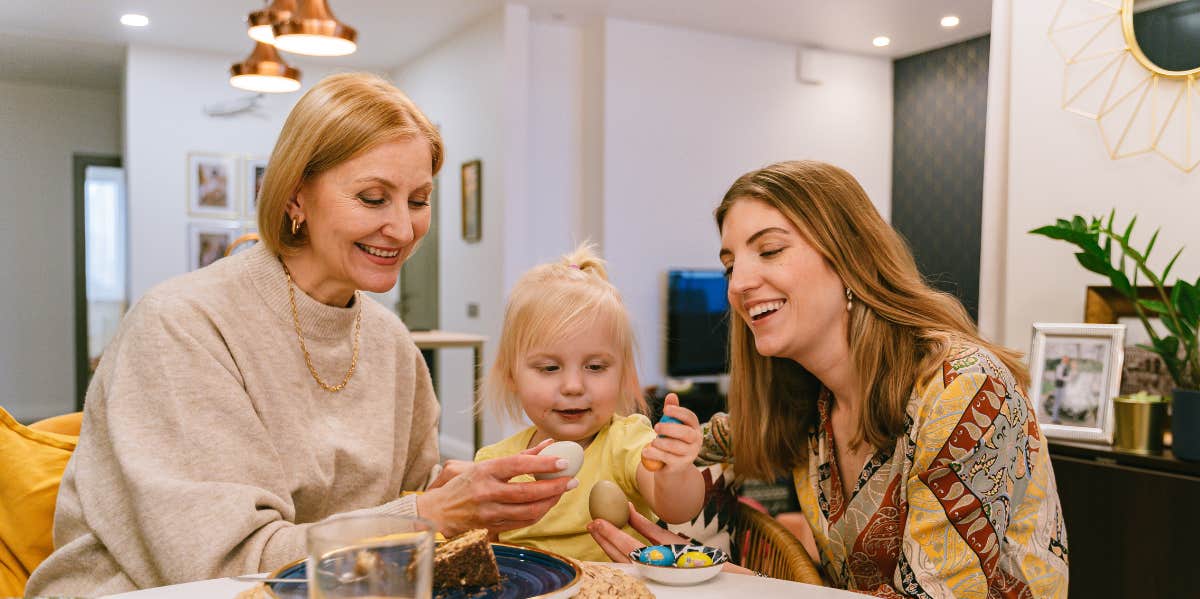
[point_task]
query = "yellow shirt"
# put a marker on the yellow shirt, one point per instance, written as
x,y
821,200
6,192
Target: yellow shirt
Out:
x,y
613,455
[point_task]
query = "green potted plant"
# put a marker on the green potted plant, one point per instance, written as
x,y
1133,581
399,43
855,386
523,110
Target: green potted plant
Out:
x,y
1179,310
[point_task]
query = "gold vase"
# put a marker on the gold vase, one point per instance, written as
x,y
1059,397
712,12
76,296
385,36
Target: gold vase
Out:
x,y
1139,425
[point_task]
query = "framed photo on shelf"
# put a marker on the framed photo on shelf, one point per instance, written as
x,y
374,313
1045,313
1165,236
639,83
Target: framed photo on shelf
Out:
x,y
1075,372
1143,370
472,200
253,170
208,241
211,190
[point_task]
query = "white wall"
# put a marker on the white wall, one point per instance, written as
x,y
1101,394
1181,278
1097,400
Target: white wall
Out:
x,y
41,127
460,86
555,139
166,91
1058,167
685,114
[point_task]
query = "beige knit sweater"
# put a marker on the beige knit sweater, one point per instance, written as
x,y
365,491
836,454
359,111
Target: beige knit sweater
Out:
x,y
207,447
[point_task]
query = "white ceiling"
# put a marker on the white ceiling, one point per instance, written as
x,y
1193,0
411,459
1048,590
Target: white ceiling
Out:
x,y
82,40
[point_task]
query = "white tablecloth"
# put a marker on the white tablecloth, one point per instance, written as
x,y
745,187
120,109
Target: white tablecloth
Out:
x,y
724,585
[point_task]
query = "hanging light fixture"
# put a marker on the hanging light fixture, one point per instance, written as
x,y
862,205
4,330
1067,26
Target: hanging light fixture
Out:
x,y
264,71
260,21
313,30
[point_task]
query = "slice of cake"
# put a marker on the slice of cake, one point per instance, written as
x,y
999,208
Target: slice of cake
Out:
x,y
465,561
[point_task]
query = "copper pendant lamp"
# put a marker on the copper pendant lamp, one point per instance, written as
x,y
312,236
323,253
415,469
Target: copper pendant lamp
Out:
x,y
264,71
260,21
313,30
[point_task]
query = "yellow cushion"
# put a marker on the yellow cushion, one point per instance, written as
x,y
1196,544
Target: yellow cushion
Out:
x,y
33,463
65,424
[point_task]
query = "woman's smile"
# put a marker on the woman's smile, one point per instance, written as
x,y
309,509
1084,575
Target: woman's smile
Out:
x,y
379,255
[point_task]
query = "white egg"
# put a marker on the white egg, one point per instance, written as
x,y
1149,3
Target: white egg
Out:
x,y
569,451
607,501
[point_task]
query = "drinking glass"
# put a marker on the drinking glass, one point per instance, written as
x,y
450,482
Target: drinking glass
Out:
x,y
370,556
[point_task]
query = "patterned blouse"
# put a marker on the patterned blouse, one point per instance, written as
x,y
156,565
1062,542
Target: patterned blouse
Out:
x,y
965,505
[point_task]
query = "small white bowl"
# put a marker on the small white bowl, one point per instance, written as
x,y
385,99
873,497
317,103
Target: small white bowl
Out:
x,y
682,576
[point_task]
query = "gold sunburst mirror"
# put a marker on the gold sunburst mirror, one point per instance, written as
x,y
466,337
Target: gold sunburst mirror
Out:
x,y
1134,67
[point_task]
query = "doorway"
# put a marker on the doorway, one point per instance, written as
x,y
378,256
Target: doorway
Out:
x,y
418,302
101,260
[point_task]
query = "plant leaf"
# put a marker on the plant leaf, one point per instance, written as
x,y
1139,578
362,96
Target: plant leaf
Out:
x,y
1095,264
1167,270
1150,246
1154,306
1121,282
1129,229
1186,298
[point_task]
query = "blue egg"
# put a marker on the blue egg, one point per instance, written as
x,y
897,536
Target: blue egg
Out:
x,y
669,420
657,555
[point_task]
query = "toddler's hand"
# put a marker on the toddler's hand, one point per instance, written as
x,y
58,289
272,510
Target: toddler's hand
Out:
x,y
447,471
678,444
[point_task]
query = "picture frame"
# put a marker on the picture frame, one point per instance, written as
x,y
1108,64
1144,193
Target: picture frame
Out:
x,y
1075,372
253,170
472,200
211,190
208,241
1143,370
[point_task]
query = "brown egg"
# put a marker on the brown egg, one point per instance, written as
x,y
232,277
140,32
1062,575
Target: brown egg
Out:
x,y
607,501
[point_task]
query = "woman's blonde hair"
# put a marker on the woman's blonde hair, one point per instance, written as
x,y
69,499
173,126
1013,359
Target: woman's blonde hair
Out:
x,y
339,118
900,329
554,301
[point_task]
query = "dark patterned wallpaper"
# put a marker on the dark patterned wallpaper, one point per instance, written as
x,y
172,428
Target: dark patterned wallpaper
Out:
x,y
940,109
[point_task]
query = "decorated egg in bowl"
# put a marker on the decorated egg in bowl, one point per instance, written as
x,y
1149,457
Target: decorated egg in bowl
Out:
x,y
679,564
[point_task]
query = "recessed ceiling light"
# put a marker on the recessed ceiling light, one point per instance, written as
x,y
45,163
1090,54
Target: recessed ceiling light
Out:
x,y
881,41
949,21
132,20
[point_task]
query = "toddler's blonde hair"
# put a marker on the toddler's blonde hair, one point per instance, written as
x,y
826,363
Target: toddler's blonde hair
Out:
x,y
552,301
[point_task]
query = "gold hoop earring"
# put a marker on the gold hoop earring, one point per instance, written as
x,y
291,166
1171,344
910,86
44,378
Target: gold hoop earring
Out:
x,y
295,226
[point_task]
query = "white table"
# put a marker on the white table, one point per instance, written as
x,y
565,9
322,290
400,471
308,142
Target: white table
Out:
x,y
724,585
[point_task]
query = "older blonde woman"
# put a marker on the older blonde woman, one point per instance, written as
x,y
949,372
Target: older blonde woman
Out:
x,y
241,402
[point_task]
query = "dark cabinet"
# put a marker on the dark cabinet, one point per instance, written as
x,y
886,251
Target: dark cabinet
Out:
x,y
1132,521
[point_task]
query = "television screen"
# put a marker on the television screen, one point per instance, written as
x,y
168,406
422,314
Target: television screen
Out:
x,y
697,323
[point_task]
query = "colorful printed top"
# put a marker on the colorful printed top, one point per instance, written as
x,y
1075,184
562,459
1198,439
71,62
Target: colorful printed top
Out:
x,y
965,505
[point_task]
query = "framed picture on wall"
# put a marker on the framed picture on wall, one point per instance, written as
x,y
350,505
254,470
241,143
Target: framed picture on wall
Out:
x,y
1075,372
211,190
253,170
208,241
472,200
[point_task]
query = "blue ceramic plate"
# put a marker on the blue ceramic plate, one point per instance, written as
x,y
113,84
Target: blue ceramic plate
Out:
x,y
525,573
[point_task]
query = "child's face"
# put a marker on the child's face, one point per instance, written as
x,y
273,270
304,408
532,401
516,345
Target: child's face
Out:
x,y
570,387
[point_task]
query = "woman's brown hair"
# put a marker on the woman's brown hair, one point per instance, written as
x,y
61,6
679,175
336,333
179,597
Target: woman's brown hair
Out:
x,y
339,118
900,329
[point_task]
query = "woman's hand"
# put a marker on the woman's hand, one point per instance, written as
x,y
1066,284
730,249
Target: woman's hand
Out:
x,y
678,444
479,495
617,544
453,468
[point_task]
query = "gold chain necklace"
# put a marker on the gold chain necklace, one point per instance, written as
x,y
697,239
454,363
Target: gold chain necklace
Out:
x,y
304,348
